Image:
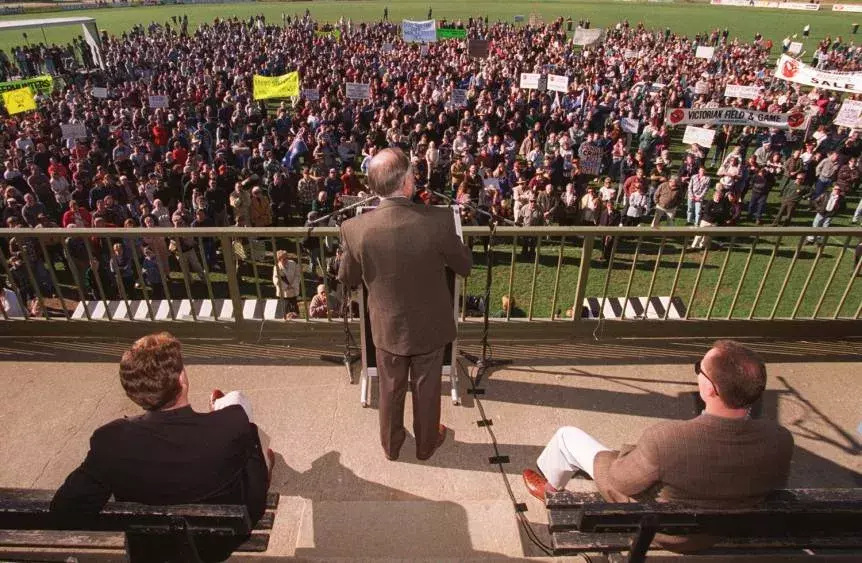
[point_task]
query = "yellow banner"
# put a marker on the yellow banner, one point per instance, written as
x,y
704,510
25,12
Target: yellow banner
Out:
x,y
284,86
19,100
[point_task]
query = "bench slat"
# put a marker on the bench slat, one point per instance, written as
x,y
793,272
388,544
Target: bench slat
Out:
x,y
573,542
60,539
570,499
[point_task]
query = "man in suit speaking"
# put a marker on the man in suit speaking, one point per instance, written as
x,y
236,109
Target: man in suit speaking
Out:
x,y
401,251
720,459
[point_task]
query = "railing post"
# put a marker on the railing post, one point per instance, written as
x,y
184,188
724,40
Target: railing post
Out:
x,y
583,277
230,270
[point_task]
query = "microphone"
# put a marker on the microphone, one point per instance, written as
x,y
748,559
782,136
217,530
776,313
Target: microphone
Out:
x,y
492,216
360,203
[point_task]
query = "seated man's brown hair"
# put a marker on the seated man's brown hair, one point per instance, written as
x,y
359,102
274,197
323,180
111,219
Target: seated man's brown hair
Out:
x,y
150,371
739,374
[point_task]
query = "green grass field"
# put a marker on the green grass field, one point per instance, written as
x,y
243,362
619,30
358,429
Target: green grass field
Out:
x,y
689,18
698,294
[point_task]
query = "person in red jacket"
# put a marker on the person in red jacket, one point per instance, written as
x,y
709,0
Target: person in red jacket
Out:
x,y
160,135
77,215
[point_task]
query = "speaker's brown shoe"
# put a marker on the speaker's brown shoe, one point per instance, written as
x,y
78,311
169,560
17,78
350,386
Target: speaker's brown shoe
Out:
x,y
536,484
441,437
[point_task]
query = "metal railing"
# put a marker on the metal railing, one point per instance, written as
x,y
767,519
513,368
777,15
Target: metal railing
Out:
x,y
579,275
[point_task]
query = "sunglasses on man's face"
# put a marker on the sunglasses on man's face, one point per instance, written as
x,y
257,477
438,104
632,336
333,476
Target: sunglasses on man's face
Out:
x,y
699,371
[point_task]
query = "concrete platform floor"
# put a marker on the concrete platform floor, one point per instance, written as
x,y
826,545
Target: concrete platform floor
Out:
x,y
342,500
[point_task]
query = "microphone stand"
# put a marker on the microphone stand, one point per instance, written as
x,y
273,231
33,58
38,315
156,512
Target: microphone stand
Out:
x,y
349,356
485,363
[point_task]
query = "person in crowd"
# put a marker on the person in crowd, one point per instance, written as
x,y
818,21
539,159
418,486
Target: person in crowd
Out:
x,y
324,305
827,205
715,212
667,199
698,186
610,217
723,458
287,280
531,216
408,298
791,195
509,309
211,458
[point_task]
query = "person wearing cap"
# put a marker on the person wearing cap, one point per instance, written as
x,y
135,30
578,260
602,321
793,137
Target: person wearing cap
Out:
x,y
722,458
667,198
531,216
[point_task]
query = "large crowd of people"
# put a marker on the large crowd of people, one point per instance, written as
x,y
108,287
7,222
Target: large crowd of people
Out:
x,y
215,156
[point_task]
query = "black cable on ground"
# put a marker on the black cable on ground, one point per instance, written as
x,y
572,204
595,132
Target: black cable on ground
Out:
x,y
519,508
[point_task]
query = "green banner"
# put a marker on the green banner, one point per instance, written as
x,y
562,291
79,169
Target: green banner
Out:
x,y
451,33
334,34
43,84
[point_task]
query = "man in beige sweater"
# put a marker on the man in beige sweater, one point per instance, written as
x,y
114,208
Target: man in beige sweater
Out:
x,y
720,459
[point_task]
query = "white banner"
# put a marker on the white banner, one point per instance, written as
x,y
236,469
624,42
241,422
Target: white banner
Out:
x,y
358,91
850,114
586,37
630,125
99,92
459,98
530,81
310,94
740,91
419,31
558,83
591,158
847,8
735,116
74,130
793,70
701,87
703,137
704,52
159,101
794,48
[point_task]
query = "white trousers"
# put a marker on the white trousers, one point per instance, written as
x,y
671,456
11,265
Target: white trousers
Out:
x,y
238,398
571,449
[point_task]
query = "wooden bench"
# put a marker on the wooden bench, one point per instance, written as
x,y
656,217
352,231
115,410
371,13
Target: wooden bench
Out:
x,y
29,530
792,519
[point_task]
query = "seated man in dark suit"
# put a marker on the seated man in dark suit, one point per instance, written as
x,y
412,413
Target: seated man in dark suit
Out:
x,y
720,459
171,454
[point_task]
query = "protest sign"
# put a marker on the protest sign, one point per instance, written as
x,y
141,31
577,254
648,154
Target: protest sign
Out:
x,y
358,91
99,92
519,18
74,130
419,31
630,125
558,83
159,101
850,114
793,70
530,81
18,100
587,37
701,87
847,7
459,98
423,51
794,48
704,52
734,116
43,84
284,86
630,54
388,47
703,137
311,94
491,183
478,48
591,158
740,91
451,33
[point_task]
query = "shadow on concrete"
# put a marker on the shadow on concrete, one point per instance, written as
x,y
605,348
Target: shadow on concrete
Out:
x,y
353,516
307,351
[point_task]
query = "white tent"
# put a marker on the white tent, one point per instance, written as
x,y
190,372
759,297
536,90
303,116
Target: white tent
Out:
x,y
91,33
